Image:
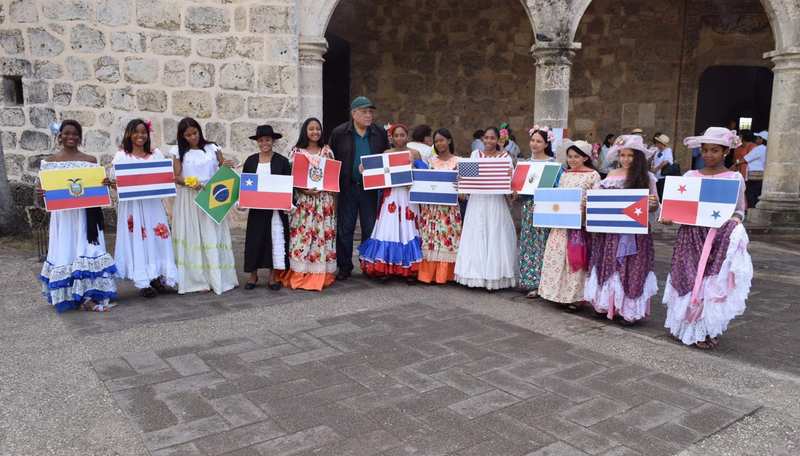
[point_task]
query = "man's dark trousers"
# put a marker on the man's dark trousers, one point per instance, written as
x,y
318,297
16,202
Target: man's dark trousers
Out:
x,y
354,202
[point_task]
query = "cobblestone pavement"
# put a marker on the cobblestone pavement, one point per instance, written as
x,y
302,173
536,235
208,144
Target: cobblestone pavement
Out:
x,y
390,369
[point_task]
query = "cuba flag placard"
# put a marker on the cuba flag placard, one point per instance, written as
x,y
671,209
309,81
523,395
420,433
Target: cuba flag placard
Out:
x,y
74,188
558,208
434,186
621,211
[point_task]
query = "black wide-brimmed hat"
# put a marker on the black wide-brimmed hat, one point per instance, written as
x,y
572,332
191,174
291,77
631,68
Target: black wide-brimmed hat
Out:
x,y
266,130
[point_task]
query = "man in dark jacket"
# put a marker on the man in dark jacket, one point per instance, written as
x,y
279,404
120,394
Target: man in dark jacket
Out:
x,y
350,141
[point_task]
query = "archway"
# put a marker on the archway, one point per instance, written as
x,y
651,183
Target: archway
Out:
x,y
730,93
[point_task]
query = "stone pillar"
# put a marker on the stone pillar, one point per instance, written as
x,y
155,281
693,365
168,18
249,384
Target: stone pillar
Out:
x,y
553,69
780,198
311,50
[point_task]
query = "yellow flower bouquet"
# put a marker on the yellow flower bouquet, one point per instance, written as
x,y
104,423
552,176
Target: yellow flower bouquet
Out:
x,y
191,181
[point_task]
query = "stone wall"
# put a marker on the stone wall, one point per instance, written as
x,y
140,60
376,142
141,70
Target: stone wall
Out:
x,y
231,64
463,65
641,62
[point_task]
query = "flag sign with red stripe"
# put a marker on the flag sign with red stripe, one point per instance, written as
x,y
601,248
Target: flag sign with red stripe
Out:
x,y
484,175
265,191
74,188
387,170
316,173
144,179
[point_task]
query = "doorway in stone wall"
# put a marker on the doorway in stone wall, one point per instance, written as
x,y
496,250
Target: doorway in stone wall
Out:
x,y
730,93
335,83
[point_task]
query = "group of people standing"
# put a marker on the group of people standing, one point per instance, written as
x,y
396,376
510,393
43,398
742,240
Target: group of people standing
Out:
x,y
311,246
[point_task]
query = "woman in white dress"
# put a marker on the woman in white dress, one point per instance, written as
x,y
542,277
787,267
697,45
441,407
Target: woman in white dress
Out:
x,y
79,272
487,257
203,252
144,243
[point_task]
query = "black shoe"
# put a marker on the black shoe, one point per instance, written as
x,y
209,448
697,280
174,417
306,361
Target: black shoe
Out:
x,y
249,286
148,293
275,286
342,275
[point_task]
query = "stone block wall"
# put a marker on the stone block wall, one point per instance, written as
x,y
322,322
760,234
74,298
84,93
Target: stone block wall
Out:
x,y
463,65
231,64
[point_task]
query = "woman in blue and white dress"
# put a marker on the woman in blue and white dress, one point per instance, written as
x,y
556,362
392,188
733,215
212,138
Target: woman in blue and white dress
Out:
x,y
78,273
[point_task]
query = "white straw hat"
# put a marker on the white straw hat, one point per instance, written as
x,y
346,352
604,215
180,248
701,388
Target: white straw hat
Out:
x,y
714,135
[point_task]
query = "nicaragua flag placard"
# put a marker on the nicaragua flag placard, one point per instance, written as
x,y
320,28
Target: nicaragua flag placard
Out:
x,y
558,208
531,175
392,169
316,173
265,191
699,201
74,188
622,211
144,179
219,194
434,186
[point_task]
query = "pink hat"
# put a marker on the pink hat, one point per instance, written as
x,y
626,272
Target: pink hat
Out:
x,y
715,135
633,142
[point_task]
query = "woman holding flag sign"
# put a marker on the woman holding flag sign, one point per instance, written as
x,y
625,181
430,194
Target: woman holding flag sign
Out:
x,y
203,251
312,230
622,276
711,269
144,243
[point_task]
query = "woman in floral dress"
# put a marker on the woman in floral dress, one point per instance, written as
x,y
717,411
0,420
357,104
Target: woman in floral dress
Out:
x,y
533,239
312,225
143,249
562,281
439,225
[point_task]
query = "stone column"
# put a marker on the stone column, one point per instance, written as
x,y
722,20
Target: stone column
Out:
x,y
553,69
780,198
311,50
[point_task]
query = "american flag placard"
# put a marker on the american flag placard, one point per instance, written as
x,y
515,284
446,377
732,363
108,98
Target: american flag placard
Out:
x,y
144,179
490,176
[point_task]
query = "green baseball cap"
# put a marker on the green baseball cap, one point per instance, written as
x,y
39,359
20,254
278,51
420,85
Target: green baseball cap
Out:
x,y
361,102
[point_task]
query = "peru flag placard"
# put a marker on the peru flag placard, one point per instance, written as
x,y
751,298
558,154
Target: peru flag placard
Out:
x,y
265,191
144,179
699,201
316,173
386,170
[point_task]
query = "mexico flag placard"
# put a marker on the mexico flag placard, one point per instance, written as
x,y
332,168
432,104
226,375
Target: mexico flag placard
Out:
x,y
265,191
699,201
530,175
316,173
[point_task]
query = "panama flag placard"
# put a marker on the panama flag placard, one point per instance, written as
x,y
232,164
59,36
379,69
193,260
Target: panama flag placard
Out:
x,y
622,211
699,201
531,175
74,188
434,186
265,191
144,179
558,208
386,170
316,173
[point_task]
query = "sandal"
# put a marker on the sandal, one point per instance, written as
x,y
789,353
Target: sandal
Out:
x,y
89,307
148,292
533,294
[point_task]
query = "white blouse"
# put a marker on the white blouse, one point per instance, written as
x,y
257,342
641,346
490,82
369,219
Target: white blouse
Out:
x,y
202,164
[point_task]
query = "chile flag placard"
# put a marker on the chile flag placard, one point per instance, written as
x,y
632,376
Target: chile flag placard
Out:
x,y
622,211
392,169
699,201
316,173
265,191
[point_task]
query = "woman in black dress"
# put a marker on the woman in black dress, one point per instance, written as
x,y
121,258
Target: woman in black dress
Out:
x,y
266,244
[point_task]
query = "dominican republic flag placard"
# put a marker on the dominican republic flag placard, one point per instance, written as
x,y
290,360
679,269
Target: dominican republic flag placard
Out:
x,y
316,173
531,175
386,170
144,179
558,208
265,191
434,186
623,211
699,201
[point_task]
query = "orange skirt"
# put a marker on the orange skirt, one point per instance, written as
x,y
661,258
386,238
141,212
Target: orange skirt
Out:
x,y
307,280
436,272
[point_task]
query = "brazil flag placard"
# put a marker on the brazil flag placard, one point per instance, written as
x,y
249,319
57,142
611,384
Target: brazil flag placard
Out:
x,y
220,194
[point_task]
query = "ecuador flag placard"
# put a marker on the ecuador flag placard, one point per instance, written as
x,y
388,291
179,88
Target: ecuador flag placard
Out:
x,y
219,194
74,188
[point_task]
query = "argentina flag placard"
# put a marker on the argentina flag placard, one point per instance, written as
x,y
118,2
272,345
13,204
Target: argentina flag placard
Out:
x,y
558,208
433,186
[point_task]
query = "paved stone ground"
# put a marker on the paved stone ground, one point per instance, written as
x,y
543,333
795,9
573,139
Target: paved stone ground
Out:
x,y
367,368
